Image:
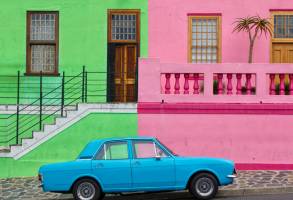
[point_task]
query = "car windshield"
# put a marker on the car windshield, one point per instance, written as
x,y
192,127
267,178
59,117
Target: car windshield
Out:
x,y
168,149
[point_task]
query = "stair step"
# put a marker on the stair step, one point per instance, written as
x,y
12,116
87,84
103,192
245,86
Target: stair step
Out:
x,y
4,149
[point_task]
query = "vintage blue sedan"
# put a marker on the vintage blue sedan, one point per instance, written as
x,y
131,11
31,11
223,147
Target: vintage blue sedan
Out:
x,y
142,164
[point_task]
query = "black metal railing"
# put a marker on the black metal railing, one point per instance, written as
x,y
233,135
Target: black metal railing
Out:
x,y
40,99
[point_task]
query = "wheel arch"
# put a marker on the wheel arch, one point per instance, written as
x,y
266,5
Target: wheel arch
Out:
x,y
86,177
201,172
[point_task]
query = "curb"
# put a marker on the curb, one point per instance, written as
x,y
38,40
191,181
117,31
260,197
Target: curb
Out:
x,y
255,191
185,194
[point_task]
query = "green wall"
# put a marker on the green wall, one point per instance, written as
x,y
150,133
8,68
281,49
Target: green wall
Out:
x,y
82,34
27,124
68,144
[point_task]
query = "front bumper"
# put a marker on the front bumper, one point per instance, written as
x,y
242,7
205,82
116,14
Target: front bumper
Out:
x,y
234,175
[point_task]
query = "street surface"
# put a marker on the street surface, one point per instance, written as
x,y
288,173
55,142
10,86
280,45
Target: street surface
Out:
x,y
261,197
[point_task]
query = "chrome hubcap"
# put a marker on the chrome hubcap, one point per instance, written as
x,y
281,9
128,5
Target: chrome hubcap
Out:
x,y
86,191
204,186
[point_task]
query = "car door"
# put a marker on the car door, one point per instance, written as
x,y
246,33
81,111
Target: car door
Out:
x,y
152,167
112,166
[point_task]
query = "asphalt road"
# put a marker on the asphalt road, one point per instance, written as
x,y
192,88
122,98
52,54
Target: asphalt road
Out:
x,y
260,197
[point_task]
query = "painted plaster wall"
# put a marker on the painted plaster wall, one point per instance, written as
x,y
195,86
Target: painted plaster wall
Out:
x,y
247,139
168,27
69,143
82,34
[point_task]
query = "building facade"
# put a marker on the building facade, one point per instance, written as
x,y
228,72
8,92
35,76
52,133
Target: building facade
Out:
x,y
76,71
205,99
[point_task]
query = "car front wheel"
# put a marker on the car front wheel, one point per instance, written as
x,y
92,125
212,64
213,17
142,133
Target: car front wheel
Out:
x,y
203,186
87,189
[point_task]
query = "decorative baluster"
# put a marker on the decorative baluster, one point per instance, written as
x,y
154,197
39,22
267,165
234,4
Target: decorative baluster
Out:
x,y
177,84
220,83
282,84
248,84
229,85
195,86
167,84
239,84
186,84
291,84
272,84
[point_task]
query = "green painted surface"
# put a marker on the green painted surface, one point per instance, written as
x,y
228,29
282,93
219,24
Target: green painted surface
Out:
x,y
82,36
27,124
68,144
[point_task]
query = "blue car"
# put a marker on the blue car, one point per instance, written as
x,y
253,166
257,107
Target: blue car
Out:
x,y
135,165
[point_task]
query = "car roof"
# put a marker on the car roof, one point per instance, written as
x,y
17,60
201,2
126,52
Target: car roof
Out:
x,y
91,147
123,138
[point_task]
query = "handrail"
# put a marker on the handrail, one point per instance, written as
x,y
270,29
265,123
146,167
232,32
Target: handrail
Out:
x,y
39,98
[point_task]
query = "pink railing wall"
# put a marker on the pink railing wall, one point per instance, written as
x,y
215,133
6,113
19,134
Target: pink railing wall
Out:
x,y
214,83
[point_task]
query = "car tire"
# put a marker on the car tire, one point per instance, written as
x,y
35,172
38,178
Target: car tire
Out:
x,y
87,189
203,186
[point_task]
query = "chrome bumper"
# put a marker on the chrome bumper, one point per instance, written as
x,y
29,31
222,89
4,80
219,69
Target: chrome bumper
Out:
x,y
232,176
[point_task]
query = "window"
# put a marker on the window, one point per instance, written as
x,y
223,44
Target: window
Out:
x,y
123,26
147,149
204,39
113,151
283,26
42,42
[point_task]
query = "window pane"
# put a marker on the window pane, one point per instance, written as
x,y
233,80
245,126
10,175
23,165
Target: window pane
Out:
x,y
144,149
123,27
148,149
113,151
43,58
204,39
42,26
283,26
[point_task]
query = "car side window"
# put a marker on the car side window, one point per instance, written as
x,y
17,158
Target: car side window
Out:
x,y
147,149
113,151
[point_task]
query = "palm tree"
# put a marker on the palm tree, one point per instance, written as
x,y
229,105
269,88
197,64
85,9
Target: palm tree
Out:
x,y
254,26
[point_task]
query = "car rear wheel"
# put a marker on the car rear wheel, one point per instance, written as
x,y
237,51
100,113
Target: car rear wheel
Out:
x,y
87,189
203,186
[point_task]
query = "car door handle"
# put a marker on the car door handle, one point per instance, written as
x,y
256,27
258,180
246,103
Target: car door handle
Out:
x,y
99,165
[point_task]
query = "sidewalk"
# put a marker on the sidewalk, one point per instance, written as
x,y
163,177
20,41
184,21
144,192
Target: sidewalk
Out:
x,y
247,183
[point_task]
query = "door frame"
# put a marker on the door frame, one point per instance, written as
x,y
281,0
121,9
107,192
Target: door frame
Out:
x,y
278,40
111,46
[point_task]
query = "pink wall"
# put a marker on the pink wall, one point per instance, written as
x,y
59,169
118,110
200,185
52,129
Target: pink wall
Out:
x,y
253,139
168,27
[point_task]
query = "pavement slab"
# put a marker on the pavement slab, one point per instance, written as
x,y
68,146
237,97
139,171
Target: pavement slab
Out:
x,y
247,183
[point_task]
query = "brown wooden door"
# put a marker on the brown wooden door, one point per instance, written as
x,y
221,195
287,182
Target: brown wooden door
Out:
x,y
282,53
125,67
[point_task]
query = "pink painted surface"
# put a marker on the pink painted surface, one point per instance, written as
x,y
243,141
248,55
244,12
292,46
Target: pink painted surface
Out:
x,y
168,82
252,139
168,27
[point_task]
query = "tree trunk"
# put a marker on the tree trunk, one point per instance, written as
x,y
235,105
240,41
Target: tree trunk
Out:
x,y
250,51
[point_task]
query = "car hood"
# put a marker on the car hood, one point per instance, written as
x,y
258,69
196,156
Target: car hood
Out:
x,y
206,160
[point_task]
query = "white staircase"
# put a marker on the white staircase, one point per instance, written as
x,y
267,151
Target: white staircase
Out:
x,y
61,123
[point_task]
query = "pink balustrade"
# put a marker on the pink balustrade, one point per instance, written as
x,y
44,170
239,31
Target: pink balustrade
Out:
x,y
176,83
231,83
